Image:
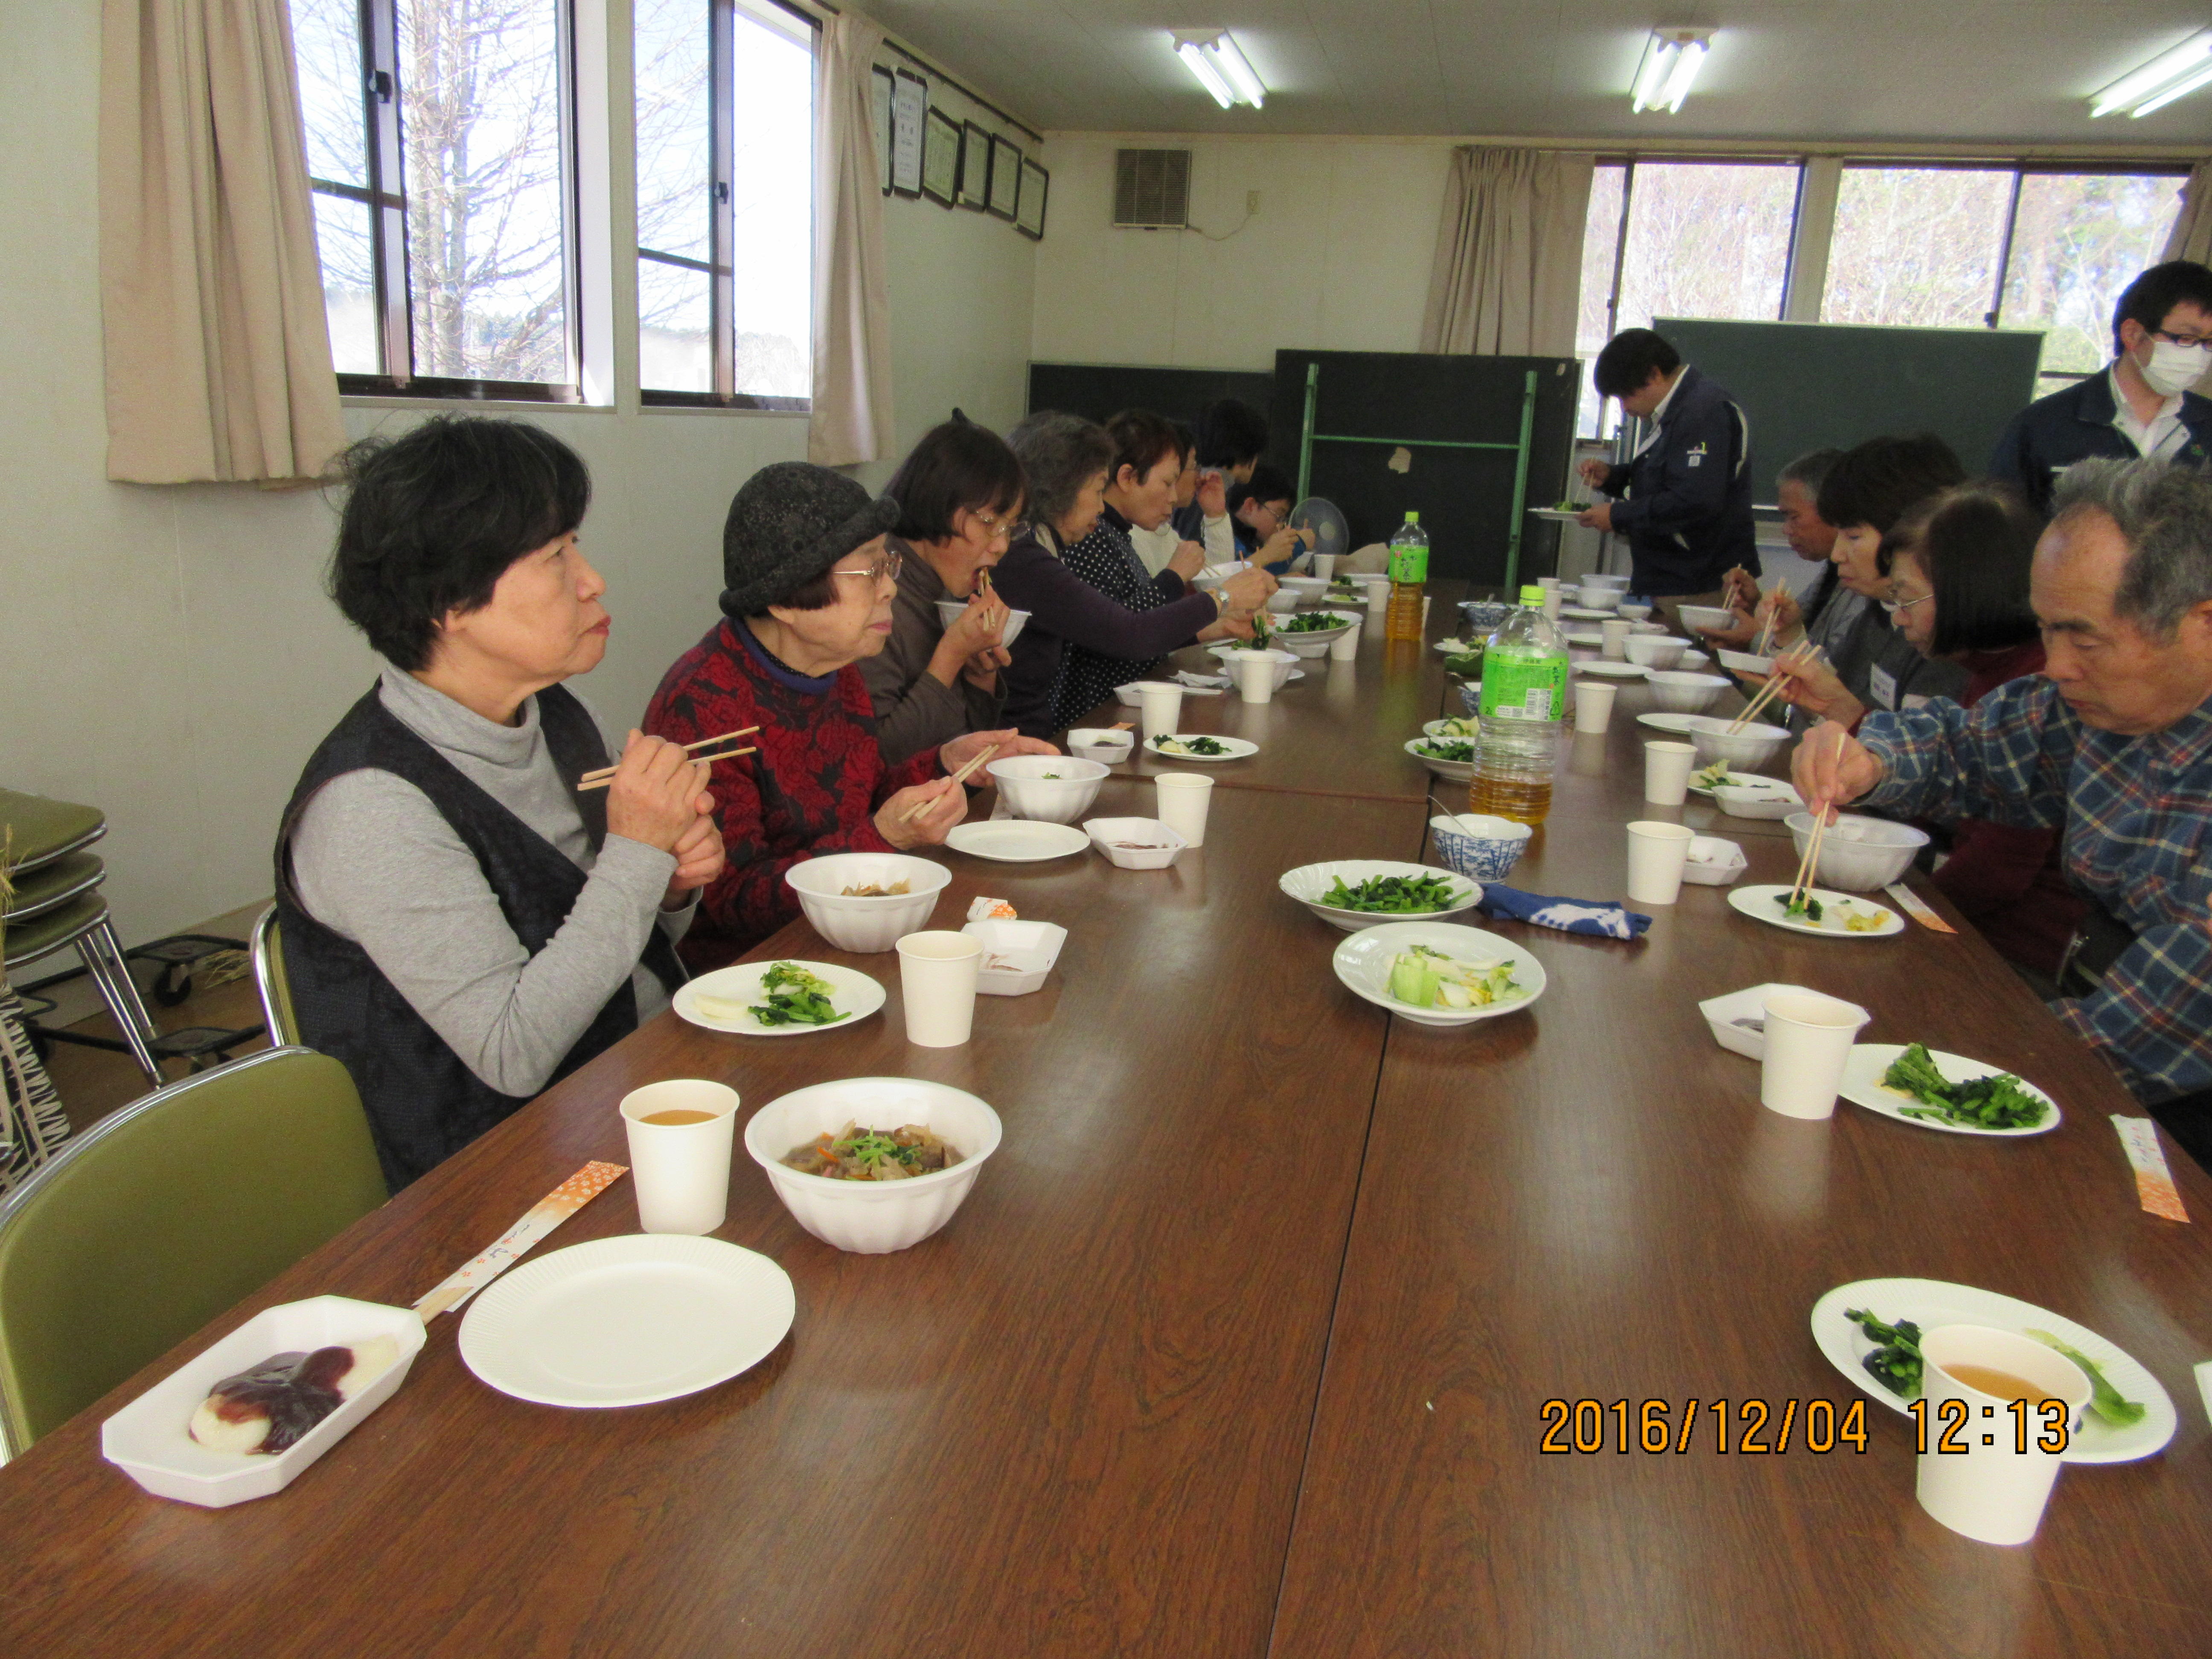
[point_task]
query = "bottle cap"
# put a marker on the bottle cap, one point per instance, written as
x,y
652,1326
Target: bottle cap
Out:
x,y
1532,594
1412,518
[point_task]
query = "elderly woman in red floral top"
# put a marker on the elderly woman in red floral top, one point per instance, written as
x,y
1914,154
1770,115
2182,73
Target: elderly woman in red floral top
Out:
x,y
808,591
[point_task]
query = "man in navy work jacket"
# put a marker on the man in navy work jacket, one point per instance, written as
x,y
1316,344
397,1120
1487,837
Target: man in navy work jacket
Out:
x,y
2139,406
1687,507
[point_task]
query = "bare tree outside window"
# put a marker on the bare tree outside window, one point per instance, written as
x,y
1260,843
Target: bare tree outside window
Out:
x,y
326,46
1917,246
2078,239
675,195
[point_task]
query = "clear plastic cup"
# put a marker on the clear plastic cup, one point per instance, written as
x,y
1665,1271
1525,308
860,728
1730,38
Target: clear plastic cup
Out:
x,y
1656,852
1180,802
680,1168
1666,772
1808,1040
937,981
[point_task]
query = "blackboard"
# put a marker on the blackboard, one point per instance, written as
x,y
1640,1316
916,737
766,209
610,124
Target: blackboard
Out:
x,y
1464,497
1095,390
1814,386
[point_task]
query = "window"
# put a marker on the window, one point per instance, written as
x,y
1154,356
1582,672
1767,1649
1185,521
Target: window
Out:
x,y
1681,239
1997,248
439,138
725,163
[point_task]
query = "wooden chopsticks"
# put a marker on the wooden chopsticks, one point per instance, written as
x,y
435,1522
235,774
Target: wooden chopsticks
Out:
x,y
1808,865
1806,653
960,776
1766,633
605,774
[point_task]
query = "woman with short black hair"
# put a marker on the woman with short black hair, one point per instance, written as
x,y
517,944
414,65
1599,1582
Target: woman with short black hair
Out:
x,y
462,925
1260,508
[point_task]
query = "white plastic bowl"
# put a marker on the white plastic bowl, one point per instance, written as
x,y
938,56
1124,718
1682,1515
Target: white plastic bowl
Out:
x,y
1102,744
148,1439
1164,847
1315,642
1858,855
1309,882
1034,943
1306,587
1609,579
1052,788
1129,696
1654,650
1742,662
863,924
1637,611
1693,662
1713,862
1707,615
1282,601
1230,656
1684,693
1597,596
1750,748
873,1217
1759,797
948,612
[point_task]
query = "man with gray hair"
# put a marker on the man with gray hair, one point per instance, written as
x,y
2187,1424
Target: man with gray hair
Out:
x,y
2112,742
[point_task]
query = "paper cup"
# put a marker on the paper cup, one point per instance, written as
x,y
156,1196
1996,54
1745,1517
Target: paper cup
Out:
x,y
1656,852
1162,705
1666,772
1593,705
1345,647
937,979
1808,1039
1378,600
1615,634
1554,598
1974,1476
1324,566
681,1171
1180,802
1255,678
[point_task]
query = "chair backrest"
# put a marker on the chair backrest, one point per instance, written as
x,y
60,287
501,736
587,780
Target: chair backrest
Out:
x,y
166,1213
268,947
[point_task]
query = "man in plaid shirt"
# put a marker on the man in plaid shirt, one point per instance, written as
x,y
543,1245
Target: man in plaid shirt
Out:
x,y
2112,742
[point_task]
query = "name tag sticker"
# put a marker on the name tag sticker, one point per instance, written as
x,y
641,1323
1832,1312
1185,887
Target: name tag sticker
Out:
x,y
1694,459
1882,685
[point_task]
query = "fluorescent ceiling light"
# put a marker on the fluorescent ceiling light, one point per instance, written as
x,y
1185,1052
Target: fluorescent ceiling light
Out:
x,y
1221,69
1671,58
2158,82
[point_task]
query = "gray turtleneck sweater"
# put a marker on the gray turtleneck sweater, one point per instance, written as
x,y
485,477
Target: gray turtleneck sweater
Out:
x,y
374,862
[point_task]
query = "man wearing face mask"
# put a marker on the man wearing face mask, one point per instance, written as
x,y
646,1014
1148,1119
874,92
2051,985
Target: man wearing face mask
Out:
x,y
2141,406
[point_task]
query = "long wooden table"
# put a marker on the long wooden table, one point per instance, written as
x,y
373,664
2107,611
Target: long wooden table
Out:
x,y
1240,1343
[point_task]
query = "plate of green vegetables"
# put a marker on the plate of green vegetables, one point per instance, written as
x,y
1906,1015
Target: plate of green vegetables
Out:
x,y
1356,893
778,999
1870,1331
1915,1084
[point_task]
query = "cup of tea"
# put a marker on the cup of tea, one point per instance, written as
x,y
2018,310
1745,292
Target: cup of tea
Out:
x,y
2000,1412
680,1132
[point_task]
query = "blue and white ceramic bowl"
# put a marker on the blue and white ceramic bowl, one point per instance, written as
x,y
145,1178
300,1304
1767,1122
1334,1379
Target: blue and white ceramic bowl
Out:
x,y
1479,847
1483,616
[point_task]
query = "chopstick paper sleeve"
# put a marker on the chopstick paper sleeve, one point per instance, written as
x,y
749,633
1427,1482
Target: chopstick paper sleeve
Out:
x,y
541,1219
2154,1181
1916,907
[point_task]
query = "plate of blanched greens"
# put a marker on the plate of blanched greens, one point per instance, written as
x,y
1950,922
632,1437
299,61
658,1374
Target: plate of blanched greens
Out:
x,y
778,999
1870,1331
1917,1085
1438,972
1354,893
1451,758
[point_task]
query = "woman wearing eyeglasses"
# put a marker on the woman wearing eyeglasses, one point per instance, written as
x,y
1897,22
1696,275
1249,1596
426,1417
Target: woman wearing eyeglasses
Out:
x,y
808,591
959,495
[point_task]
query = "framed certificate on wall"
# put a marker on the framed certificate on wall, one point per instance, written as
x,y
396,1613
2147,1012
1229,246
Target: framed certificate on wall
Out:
x,y
881,85
1005,191
909,99
975,168
941,157
1028,213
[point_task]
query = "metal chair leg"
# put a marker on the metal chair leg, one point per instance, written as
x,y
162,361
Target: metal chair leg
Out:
x,y
102,953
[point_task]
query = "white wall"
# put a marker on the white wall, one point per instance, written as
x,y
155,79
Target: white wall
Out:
x,y
167,654
1337,258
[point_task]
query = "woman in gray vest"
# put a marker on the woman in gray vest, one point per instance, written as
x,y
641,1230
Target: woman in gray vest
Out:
x,y
462,925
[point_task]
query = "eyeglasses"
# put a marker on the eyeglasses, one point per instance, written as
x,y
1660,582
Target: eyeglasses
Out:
x,y
1892,607
1012,529
885,569
2182,339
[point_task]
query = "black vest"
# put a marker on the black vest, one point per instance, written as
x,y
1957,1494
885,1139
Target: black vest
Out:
x,y
424,1104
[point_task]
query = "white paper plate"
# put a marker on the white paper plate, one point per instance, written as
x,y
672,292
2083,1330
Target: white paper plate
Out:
x,y
1587,639
1309,882
1613,670
1017,841
1862,1085
1363,964
1557,514
1660,720
627,1321
1932,1302
1458,647
853,994
1586,613
1235,748
1758,902
1451,770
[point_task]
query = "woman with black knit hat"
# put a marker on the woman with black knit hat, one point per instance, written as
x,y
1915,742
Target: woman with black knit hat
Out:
x,y
808,587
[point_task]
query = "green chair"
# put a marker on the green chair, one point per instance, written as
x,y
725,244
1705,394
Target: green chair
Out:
x,y
80,918
41,830
268,949
165,1215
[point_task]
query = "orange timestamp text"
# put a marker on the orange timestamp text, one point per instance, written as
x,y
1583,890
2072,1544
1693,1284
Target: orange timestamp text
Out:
x,y
1742,1427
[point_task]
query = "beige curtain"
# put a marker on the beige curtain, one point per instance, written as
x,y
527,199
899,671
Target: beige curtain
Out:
x,y
211,300
852,418
1507,278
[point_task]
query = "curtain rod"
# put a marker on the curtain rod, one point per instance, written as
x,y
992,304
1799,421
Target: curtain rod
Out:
x,y
919,61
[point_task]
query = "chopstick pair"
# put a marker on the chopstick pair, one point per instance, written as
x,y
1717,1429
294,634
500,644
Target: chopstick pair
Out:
x,y
605,774
1807,865
960,776
1806,654
1766,633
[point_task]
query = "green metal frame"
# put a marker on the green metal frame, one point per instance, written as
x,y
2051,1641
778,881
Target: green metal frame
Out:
x,y
1309,438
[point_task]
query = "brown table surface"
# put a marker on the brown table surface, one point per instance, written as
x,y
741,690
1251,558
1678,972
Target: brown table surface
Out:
x,y
1241,1342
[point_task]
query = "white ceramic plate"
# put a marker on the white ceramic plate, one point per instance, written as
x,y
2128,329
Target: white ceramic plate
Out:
x,y
627,1321
1932,1302
1363,964
1557,514
1584,613
1587,639
1017,841
1235,748
1309,882
1660,720
1613,670
1458,647
1758,902
1455,771
853,994
1862,1084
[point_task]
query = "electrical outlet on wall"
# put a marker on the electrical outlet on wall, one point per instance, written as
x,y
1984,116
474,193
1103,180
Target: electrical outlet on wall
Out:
x,y
1251,202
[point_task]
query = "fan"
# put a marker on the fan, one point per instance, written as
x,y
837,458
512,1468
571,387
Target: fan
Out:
x,y
1330,532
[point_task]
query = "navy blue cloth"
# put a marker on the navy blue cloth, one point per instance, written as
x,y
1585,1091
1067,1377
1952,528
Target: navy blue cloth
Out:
x,y
1568,915
2075,424
1687,508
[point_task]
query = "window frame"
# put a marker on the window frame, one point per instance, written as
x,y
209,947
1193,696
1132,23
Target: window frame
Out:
x,y
720,265
383,93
